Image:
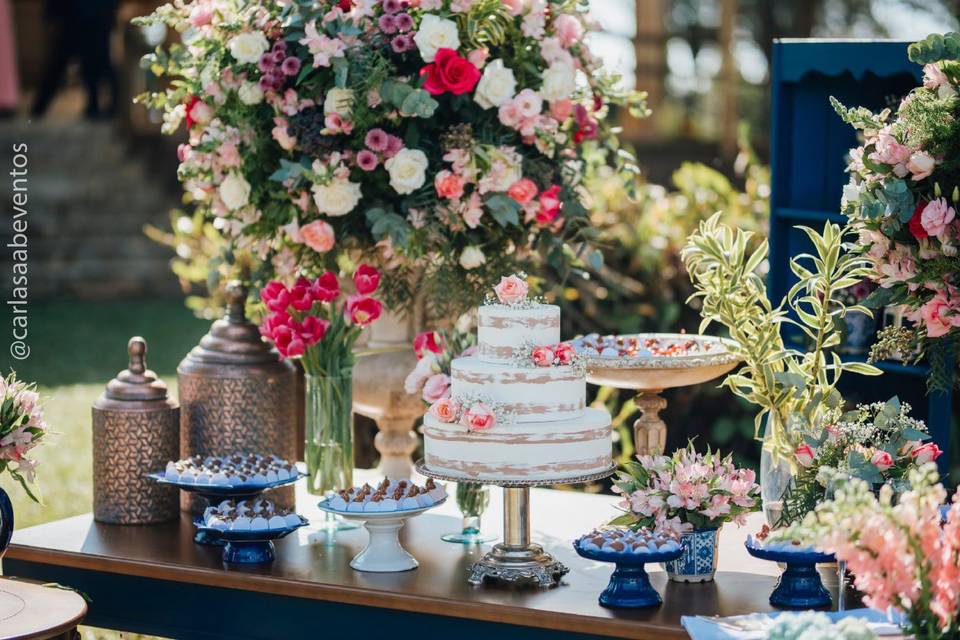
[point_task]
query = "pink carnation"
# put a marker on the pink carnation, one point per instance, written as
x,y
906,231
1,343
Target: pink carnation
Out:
x,y
936,216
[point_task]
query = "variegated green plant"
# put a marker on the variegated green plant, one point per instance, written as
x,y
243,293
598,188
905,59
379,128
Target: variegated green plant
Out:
x,y
793,388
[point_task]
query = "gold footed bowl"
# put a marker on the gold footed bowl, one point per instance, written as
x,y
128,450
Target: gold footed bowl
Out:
x,y
707,358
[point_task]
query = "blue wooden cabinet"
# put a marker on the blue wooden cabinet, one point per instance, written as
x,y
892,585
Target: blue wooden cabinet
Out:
x,y
809,143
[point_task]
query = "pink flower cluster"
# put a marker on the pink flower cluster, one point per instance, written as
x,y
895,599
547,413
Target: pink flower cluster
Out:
x,y
380,147
301,316
398,24
688,489
22,427
276,66
475,416
557,355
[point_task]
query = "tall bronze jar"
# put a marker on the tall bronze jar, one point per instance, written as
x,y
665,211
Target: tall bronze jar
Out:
x,y
236,395
136,429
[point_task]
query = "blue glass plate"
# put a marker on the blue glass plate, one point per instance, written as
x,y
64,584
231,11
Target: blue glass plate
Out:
x,y
246,489
629,585
800,586
247,547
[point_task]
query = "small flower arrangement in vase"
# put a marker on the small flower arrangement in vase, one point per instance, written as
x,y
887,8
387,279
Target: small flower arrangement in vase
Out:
x,y
904,553
691,494
22,428
317,323
878,443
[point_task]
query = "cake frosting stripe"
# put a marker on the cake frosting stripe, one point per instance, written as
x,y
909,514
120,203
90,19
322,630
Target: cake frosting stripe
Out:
x,y
518,438
503,330
507,471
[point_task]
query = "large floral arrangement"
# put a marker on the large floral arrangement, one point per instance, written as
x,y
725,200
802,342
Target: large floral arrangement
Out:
x,y
903,194
686,490
877,443
22,428
900,552
444,136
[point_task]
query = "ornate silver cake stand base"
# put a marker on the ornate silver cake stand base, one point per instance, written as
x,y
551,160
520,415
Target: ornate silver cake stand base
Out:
x,y
517,560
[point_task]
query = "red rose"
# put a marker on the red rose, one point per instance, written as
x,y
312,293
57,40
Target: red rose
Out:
x,y
312,329
449,73
326,288
301,298
564,352
288,342
915,225
366,279
275,296
427,341
362,310
549,206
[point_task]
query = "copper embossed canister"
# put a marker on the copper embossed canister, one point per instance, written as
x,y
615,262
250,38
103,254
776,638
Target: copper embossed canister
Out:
x,y
136,430
236,395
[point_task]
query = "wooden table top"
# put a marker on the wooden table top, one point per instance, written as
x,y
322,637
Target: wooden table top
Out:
x,y
32,611
439,586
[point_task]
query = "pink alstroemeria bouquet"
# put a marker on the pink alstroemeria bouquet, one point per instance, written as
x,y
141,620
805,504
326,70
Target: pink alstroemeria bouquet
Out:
x,y
900,552
22,428
688,490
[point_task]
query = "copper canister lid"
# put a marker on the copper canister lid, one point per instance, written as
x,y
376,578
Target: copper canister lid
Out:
x,y
136,387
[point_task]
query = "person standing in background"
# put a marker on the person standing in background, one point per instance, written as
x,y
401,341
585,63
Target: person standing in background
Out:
x,y
9,82
80,29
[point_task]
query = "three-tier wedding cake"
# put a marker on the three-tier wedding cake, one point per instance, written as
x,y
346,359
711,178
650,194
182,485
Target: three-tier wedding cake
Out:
x,y
516,409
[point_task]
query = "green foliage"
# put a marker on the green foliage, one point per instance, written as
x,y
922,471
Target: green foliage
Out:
x,y
486,24
935,47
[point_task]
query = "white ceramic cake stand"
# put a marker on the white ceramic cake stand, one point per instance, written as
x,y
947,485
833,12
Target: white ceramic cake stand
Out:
x,y
383,553
650,375
517,559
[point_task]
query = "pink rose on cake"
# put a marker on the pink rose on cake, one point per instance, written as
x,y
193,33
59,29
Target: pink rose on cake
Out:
x,y
564,352
511,289
479,417
437,386
542,356
445,410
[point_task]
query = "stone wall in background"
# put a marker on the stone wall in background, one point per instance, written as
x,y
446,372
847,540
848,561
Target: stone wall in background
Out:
x,y
91,191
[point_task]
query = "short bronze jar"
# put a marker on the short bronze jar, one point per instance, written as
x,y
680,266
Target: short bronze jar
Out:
x,y
136,430
237,395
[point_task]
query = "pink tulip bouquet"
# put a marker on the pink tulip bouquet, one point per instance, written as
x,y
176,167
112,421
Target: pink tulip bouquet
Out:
x,y
903,196
445,138
878,443
22,428
685,491
316,322
900,552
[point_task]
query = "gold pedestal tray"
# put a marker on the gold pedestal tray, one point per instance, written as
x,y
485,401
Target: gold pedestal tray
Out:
x,y
517,560
650,375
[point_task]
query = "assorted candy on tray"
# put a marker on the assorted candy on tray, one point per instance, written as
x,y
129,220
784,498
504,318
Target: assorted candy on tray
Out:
x,y
389,495
638,346
249,515
629,542
230,471
762,541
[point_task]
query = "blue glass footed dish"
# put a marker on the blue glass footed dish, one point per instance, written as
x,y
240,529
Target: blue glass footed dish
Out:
x,y
800,586
247,547
629,585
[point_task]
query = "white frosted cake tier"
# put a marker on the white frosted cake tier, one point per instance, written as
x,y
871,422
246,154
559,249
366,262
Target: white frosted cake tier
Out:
x,y
524,451
503,330
542,394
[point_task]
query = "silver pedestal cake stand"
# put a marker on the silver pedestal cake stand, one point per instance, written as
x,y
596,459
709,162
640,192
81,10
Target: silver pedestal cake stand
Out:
x,y
517,559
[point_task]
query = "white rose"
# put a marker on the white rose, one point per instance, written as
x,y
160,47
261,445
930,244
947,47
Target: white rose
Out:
x,y
408,170
337,198
250,93
248,47
234,191
496,86
559,82
851,192
436,33
472,257
338,101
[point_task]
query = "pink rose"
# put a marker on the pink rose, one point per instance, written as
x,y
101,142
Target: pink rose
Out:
x,y
921,164
437,386
478,57
938,316
448,185
805,455
889,151
200,16
511,289
561,109
926,453
542,356
479,417
881,460
318,235
936,216
523,191
569,29
445,410
564,352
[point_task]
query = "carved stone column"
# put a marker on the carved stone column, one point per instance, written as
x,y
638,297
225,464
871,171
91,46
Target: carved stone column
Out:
x,y
649,431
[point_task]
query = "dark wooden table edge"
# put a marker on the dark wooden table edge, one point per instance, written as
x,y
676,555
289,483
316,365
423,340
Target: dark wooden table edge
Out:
x,y
504,614
53,632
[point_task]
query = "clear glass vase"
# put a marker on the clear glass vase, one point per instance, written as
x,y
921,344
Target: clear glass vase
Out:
x,y
775,479
329,438
472,500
